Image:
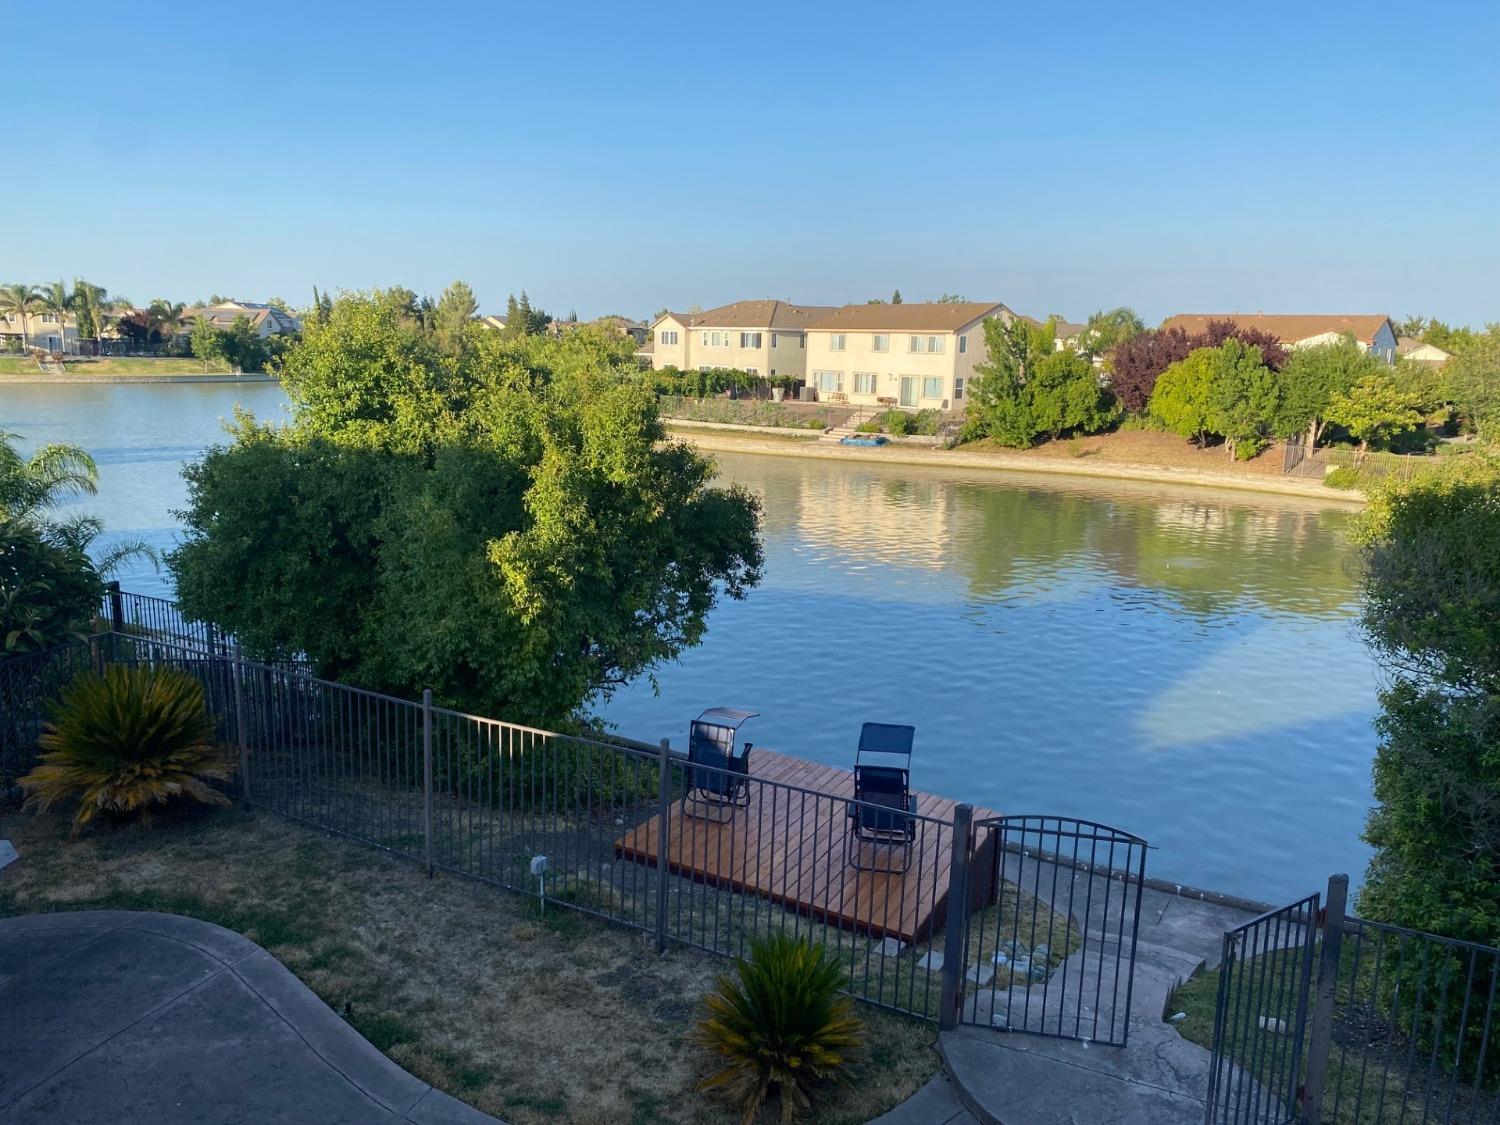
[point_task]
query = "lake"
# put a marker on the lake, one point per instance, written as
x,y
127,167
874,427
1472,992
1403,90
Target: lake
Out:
x,y
1180,663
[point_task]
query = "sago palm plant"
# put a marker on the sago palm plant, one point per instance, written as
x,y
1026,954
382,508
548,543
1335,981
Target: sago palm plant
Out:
x,y
783,1026
126,742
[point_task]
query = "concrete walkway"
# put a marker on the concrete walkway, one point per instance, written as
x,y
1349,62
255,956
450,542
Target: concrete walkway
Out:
x,y
1159,1078
121,1018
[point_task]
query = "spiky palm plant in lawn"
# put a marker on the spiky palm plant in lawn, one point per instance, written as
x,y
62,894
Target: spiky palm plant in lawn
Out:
x,y
782,1026
127,742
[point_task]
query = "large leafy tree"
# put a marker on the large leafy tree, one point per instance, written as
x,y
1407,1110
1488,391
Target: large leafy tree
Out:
x,y
456,309
1312,378
1375,410
1064,396
999,406
1107,330
1431,583
1224,391
1135,364
1471,382
510,526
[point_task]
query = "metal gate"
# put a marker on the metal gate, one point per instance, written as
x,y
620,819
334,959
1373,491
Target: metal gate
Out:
x,y
1054,954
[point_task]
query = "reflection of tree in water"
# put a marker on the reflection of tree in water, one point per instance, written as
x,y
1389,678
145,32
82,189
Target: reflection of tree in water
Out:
x,y
1210,557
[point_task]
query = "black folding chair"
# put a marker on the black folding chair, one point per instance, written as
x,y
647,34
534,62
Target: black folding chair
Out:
x,y
718,778
882,816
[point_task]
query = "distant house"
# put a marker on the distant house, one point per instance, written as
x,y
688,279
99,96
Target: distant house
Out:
x,y
762,337
492,321
42,330
1419,351
915,356
266,320
1067,334
1373,332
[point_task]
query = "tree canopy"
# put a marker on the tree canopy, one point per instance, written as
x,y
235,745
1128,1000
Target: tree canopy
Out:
x,y
1224,391
509,526
1375,410
1313,377
1135,364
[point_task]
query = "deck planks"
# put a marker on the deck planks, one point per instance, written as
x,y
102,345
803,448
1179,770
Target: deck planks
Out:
x,y
789,846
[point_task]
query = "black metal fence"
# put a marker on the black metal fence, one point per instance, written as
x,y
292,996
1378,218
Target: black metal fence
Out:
x,y
1327,1018
1058,958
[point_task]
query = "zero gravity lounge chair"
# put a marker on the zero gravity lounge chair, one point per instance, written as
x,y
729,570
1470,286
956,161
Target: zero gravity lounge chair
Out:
x,y
882,820
718,778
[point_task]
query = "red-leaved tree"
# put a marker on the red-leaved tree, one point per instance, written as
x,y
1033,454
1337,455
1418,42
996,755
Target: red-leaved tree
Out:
x,y
1135,364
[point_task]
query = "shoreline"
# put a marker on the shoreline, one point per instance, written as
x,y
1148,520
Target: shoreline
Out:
x,y
898,454
212,377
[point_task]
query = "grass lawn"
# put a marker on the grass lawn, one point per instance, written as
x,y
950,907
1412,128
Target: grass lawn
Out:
x,y
530,1017
19,365
676,424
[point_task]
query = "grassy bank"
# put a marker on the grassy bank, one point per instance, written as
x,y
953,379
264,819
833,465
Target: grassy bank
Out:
x,y
125,365
531,1017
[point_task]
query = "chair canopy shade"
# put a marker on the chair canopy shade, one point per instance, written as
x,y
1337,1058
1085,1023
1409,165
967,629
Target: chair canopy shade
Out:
x,y
725,717
886,738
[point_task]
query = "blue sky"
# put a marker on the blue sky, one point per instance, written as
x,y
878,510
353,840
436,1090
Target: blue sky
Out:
x,y
1318,156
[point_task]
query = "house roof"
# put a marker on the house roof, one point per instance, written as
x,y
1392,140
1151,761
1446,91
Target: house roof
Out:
x,y
1287,327
937,316
1066,329
1405,345
759,314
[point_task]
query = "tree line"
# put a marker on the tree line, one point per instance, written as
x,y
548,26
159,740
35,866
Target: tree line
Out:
x,y
1228,384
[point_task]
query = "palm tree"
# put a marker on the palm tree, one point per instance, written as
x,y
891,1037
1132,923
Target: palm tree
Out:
x,y
166,317
90,301
20,301
56,300
53,475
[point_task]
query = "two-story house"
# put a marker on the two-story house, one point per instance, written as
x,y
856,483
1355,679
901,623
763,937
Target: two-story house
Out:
x,y
765,338
1373,332
916,356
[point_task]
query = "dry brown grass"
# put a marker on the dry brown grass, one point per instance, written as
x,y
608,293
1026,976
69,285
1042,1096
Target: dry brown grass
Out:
x,y
530,1017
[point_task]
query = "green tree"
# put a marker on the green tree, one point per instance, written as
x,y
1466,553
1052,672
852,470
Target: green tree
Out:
x,y
21,302
896,297
1225,391
166,318
456,309
91,304
1106,329
1431,611
1064,396
951,299
206,342
999,407
58,302
1312,378
1375,410
242,346
1184,400
1471,382
511,527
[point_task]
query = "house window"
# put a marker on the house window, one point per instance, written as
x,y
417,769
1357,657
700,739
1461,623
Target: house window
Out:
x,y
958,389
932,387
864,382
882,342
963,344
749,339
753,371
828,380
927,344
669,338
836,342
773,344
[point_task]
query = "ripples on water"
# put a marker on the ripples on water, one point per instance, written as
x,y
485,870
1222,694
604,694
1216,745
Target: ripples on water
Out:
x,y
1180,663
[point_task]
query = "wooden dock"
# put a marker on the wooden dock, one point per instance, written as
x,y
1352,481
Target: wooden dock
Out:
x,y
789,845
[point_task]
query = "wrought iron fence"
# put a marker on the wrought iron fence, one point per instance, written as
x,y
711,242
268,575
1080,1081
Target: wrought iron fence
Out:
x,y
1057,958
1328,1019
28,685
141,615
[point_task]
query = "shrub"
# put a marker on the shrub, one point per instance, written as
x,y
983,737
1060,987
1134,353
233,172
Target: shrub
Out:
x,y
126,742
1345,476
783,1026
49,591
900,423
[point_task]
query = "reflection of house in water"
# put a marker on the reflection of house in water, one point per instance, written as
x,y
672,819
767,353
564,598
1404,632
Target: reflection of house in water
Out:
x,y
864,516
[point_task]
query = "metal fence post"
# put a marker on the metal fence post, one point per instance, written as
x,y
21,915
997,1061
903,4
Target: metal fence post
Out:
x,y
427,775
241,731
663,840
1320,1039
957,923
116,608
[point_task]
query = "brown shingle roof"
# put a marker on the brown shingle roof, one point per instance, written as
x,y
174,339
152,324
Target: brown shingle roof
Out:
x,y
938,316
1286,327
759,314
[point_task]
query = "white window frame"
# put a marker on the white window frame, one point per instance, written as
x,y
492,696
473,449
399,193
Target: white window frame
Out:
x,y
882,342
958,387
823,379
963,344
864,382
836,341
929,382
750,340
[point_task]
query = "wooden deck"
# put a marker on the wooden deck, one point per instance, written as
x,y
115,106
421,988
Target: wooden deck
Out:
x,y
789,846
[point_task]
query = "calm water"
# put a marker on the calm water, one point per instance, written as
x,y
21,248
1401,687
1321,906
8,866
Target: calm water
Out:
x,y
1179,663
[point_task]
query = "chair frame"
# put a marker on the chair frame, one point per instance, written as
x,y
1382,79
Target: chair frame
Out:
x,y
882,817
711,794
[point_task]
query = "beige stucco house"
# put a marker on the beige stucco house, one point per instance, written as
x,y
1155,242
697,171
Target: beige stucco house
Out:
x,y
916,356
1373,332
765,338
1419,351
266,320
42,330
